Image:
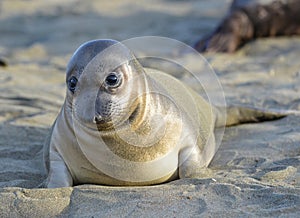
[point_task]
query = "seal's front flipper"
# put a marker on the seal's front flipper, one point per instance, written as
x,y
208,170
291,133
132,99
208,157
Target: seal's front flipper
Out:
x,y
238,115
194,159
58,175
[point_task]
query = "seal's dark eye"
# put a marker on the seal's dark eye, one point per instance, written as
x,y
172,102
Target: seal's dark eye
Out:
x,y
72,83
113,80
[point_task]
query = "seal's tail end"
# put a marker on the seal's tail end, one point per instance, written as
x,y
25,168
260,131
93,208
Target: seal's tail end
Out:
x,y
239,115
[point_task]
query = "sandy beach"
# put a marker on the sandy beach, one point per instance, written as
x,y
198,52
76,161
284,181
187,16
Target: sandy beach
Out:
x,y
256,169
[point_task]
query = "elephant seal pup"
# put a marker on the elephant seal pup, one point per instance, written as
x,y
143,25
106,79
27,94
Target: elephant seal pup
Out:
x,y
122,124
250,19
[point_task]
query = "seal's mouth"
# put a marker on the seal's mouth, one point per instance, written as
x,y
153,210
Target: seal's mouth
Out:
x,y
106,123
98,119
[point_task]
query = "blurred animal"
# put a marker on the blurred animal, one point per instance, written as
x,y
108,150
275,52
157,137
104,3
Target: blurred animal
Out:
x,y
251,19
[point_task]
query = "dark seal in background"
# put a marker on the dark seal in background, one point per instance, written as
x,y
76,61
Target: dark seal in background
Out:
x,y
250,19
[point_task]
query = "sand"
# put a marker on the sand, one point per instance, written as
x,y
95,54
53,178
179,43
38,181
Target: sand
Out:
x,y
254,173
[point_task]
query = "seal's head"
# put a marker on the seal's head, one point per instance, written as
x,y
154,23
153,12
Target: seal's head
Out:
x,y
104,80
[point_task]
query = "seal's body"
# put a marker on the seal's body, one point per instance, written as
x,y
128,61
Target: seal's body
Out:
x,y
122,124
250,19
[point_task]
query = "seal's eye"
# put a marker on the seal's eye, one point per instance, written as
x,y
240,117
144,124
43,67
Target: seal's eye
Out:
x,y
113,80
72,83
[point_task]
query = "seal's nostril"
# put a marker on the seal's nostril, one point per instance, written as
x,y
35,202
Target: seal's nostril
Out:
x,y
97,119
